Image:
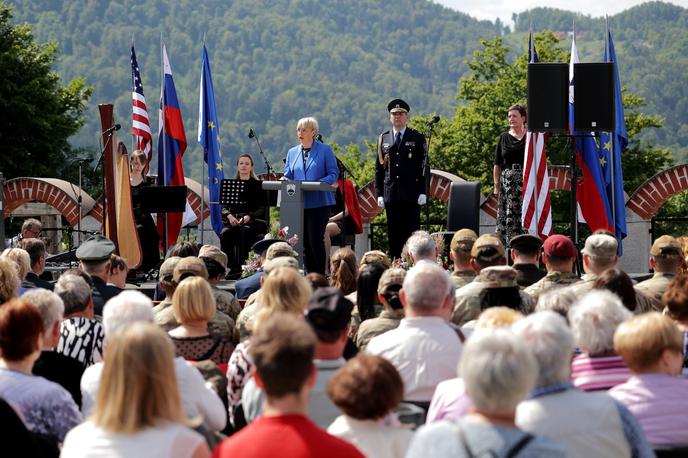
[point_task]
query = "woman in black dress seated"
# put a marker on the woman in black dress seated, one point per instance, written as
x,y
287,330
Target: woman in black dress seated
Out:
x,y
508,174
145,225
244,223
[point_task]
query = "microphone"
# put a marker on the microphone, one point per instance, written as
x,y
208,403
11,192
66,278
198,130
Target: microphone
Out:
x,y
251,133
435,119
112,129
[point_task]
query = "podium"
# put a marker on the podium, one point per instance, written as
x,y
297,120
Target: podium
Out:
x,y
291,205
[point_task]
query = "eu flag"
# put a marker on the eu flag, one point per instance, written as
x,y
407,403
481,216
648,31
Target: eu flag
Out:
x,y
209,138
612,144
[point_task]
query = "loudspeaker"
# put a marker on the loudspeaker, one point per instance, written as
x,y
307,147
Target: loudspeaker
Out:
x,y
593,108
548,97
463,209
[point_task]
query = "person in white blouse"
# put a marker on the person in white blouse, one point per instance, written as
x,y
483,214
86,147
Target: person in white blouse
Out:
x,y
138,411
130,307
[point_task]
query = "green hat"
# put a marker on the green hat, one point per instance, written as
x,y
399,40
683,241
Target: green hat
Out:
x,y
488,247
601,246
214,253
96,248
525,241
167,270
463,239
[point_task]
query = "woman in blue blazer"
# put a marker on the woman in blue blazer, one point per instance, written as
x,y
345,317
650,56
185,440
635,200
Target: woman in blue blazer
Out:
x,y
313,161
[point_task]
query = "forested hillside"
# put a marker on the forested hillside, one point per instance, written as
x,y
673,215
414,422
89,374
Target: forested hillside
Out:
x,y
652,47
275,61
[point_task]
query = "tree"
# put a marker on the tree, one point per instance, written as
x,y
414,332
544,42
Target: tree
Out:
x,y
37,113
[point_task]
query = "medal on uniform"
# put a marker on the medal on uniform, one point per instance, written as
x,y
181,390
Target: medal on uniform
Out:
x,y
409,155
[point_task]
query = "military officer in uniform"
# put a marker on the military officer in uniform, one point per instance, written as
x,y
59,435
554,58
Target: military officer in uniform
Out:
x,y
400,179
666,260
525,253
559,256
94,257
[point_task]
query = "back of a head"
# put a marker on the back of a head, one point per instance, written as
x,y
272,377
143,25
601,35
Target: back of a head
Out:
x,y
497,317
461,243
75,293
284,290
9,279
498,369
35,248
642,340
675,298
22,260
618,282
488,250
375,256
366,288
421,245
138,385
189,267
556,299
282,349
280,249
601,252
344,270
367,388
329,314
426,287
48,304
552,344
594,318
183,250
20,328
667,254
193,300
125,309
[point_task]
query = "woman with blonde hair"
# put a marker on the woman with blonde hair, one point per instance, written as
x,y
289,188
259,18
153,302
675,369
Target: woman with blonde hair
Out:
x,y
138,410
9,279
23,264
344,270
194,305
284,290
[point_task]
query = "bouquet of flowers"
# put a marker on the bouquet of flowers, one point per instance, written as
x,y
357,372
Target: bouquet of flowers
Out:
x,y
252,263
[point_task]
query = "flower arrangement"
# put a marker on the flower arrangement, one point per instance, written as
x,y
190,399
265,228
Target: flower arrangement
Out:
x,y
252,263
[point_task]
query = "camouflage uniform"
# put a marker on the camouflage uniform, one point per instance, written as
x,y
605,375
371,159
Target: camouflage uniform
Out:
x,y
245,321
655,286
643,303
226,302
376,326
527,274
554,279
467,305
462,277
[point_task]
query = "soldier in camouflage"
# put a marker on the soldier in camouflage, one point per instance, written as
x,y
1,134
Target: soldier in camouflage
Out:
x,y
460,254
666,259
559,256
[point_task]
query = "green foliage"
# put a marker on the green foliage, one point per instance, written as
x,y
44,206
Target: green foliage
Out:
x,y
37,113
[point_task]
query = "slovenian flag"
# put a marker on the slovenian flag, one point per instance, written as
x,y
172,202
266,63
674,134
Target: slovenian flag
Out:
x,y
593,206
171,147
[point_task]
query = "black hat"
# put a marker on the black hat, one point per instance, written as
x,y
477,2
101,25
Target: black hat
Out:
x,y
328,310
96,248
526,242
398,105
261,246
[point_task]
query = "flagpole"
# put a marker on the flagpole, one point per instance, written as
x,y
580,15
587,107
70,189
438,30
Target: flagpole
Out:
x,y
205,152
533,138
572,168
164,137
608,58
133,137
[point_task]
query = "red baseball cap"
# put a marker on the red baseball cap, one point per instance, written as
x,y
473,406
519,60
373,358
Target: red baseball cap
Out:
x,y
559,246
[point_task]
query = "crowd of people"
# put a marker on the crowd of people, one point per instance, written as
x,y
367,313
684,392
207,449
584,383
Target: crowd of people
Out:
x,y
494,356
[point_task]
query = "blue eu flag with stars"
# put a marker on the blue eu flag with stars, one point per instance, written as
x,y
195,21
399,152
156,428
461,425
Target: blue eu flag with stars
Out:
x,y
209,138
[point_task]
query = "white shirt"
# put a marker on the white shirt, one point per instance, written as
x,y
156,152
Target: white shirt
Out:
x,y
197,398
168,440
373,438
425,351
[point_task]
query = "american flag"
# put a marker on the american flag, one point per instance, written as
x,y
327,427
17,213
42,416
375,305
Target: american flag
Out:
x,y
537,211
140,127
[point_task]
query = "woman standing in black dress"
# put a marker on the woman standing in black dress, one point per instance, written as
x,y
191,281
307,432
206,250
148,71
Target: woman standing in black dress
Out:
x,y
245,222
508,174
145,225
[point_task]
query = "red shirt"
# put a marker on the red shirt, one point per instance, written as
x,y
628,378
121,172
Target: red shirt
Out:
x,y
285,436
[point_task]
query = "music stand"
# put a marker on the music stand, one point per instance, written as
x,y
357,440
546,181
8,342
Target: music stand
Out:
x,y
163,199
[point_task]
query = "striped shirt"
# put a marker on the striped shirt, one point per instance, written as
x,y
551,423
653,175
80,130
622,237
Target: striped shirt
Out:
x,y
598,373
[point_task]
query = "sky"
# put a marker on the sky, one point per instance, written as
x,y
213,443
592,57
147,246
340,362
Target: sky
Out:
x,y
503,9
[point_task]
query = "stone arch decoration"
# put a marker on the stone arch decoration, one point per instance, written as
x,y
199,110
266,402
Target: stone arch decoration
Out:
x,y
63,196
651,195
60,194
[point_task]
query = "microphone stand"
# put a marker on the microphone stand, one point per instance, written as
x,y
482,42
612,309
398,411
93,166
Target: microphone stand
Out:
x,y
268,168
100,159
